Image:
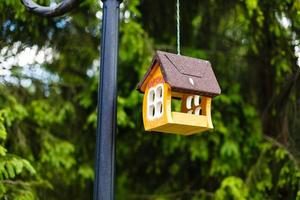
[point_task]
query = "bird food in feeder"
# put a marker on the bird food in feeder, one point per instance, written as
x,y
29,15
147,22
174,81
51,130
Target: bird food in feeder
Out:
x,y
174,76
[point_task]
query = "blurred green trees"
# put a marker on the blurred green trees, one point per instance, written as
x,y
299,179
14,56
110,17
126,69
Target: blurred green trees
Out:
x,y
48,104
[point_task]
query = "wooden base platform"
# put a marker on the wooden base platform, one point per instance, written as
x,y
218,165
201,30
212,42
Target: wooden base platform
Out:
x,y
184,124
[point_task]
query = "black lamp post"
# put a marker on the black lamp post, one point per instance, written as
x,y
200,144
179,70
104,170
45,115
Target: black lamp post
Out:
x,y
107,103
107,95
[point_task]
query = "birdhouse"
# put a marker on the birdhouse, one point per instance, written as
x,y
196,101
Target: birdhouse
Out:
x,y
190,80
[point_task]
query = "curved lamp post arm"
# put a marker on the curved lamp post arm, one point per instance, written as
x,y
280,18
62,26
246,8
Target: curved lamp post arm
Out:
x,y
45,11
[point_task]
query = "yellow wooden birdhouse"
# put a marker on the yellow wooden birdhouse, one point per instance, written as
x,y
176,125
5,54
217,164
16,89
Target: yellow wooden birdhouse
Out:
x,y
174,76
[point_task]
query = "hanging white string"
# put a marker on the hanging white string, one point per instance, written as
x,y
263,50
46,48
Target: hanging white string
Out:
x,y
178,27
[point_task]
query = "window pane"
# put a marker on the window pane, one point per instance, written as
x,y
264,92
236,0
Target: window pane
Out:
x,y
151,112
197,100
198,111
151,96
159,91
189,102
158,109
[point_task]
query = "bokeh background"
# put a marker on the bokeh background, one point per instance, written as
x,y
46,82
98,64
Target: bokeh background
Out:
x,y
48,98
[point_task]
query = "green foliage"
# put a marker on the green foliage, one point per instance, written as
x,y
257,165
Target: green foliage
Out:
x,y
232,188
12,167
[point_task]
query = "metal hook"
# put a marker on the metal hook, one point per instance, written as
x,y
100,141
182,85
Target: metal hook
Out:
x,y
47,11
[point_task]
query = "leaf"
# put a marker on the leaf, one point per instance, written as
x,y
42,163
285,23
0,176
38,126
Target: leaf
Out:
x,y
4,172
2,151
3,133
28,166
232,188
18,165
10,170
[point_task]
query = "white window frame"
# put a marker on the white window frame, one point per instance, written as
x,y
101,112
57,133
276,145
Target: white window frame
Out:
x,y
155,104
193,105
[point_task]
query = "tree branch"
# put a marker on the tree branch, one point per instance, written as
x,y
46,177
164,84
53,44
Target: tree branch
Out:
x,y
278,144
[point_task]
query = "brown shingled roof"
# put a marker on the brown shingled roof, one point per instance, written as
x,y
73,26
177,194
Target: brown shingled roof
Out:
x,y
185,74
